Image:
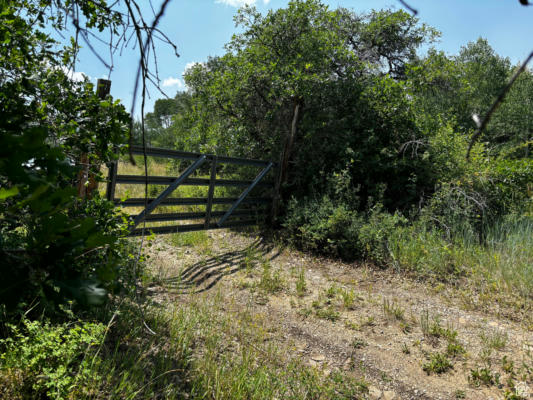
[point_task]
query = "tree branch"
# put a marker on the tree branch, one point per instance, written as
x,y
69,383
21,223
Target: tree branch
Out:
x,y
483,124
411,9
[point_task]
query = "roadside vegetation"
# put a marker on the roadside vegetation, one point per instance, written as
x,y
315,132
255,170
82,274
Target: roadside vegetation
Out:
x,y
377,138
371,139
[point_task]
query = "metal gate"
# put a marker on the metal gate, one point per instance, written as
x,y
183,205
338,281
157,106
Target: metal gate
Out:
x,y
251,209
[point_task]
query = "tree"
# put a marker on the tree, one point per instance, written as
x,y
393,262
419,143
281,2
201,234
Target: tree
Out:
x,y
53,245
310,86
512,124
454,91
485,74
159,123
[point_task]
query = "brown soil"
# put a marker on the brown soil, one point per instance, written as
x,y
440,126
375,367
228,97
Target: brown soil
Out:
x,y
366,340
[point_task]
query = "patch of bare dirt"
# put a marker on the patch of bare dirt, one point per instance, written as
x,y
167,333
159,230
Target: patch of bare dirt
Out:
x,y
371,323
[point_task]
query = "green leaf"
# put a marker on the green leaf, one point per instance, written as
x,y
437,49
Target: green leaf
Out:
x,y
5,193
99,239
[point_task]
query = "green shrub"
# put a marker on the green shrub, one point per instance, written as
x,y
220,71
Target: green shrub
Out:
x,y
322,226
475,201
79,253
438,363
38,359
375,235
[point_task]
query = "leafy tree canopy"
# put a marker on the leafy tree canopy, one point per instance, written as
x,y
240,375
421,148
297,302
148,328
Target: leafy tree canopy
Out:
x,y
53,245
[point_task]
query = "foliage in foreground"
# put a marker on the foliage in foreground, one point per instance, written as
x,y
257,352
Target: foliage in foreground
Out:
x,y
190,357
53,245
376,137
43,360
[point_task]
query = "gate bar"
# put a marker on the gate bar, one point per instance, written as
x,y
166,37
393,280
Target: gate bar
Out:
x,y
190,201
198,215
139,218
245,193
191,228
167,180
184,155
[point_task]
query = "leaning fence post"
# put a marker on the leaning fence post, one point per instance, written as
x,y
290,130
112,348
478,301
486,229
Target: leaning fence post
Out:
x,y
87,183
111,180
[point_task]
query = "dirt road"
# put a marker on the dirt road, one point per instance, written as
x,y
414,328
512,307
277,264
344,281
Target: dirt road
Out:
x,y
407,339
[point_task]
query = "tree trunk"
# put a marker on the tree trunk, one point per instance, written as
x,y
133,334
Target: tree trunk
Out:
x,y
87,183
286,155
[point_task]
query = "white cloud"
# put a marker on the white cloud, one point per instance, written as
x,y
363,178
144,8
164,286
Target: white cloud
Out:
x,y
240,3
75,76
189,65
237,3
171,81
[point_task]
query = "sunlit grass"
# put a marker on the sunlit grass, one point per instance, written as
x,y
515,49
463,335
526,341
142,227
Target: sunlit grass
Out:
x,y
202,348
504,260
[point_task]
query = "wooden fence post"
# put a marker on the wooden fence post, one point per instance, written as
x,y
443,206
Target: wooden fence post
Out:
x,y
87,183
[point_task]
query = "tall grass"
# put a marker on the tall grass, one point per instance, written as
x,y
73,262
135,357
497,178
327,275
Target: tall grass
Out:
x,y
504,257
203,348
508,254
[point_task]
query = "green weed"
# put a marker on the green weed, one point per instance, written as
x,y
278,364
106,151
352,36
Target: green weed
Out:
x,y
405,327
351,325
508,365
368,321
305,312
301,284
271,282
328,313
249,260
495,339
348,298
438,363
433,328
331,292
358,343
483,376
508,395
391,309
454,349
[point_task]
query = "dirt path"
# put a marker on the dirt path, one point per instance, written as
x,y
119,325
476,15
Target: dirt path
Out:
x,y
407,339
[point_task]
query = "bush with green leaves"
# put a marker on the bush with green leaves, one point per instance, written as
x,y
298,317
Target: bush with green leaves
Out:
x,y
479,198
376,233
40,360
325,227
53,245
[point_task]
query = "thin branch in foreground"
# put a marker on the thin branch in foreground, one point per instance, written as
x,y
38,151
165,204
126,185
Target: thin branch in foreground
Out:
x,y
496,104
414,11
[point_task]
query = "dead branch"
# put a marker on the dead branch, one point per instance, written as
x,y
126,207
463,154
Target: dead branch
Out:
x,y
411,9
414,144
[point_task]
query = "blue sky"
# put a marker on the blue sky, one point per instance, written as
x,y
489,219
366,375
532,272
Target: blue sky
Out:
x,y
200,28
